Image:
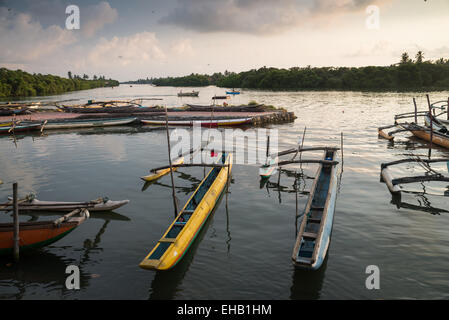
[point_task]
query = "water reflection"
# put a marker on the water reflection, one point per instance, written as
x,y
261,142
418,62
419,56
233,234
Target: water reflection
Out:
x,y
307,284
165,284
46,268
424,204
38,267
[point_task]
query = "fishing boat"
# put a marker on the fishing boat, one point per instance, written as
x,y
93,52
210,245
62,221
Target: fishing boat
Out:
x,y
203,123
12,112
70,124
37,234
233,92
437,125
162,172
219,97
20,127
30,203
314,235
438,138
269,168
189,94
182,232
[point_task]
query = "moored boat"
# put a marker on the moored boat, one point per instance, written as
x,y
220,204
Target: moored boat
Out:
x,y
189,94
438,138
203,123
20,127
89,123
37,234
182,232
314,235
101,204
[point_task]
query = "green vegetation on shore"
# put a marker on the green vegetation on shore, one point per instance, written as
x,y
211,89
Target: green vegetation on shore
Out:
x,y
407,75
22,84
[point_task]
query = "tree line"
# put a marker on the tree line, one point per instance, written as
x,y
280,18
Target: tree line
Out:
x,y
407,75
18,83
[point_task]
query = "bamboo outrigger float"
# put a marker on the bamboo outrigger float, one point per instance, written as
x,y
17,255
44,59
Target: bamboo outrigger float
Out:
x,y
35,235
314,235
182,232
394,184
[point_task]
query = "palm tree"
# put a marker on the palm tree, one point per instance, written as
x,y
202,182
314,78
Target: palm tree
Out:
x,y
405,58
419,57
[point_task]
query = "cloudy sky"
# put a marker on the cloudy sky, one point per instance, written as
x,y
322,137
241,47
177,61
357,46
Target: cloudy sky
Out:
x,y
134,39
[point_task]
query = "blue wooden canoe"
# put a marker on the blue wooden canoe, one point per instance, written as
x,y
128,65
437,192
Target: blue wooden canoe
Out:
x,y
314,235
232,92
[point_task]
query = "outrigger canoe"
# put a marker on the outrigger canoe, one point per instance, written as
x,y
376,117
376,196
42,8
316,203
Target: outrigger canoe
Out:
x,y
22,127
162,172
101,204
182,232
438,138
37,234
88,123
203,123
314,235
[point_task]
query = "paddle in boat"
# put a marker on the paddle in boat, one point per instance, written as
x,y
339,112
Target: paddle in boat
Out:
x,y
203,123
182,232
38,234
314,235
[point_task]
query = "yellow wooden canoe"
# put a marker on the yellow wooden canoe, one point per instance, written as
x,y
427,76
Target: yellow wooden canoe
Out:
x,y
162,172
182,232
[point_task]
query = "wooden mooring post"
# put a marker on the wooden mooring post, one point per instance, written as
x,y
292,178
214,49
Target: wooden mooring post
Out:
x,y
175,204
447,108
16,237
431,125
416,111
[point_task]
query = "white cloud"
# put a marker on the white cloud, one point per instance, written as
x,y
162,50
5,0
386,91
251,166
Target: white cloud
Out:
x,y
138,49
24,39
95,17
182,48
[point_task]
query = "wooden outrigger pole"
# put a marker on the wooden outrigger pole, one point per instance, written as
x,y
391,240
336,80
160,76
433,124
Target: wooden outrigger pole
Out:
x,y
175,204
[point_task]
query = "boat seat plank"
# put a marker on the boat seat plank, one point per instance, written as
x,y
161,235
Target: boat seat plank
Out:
x,y
309,235
171,240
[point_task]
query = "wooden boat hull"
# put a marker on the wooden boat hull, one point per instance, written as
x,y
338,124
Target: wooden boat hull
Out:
x,y
388,179
232,92
189,94
20,128
437,139
162,172
313,240
184,229
88,123
38,205
203,123
35,235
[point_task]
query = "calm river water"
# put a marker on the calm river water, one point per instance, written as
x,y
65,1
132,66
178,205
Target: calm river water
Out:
x,y
245,248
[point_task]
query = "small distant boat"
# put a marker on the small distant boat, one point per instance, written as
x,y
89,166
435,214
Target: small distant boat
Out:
x,y
182,232
70,124
314,235
233,92
101,204
21,127
162,172
219,97
38,234
268,169
203,123
188,94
